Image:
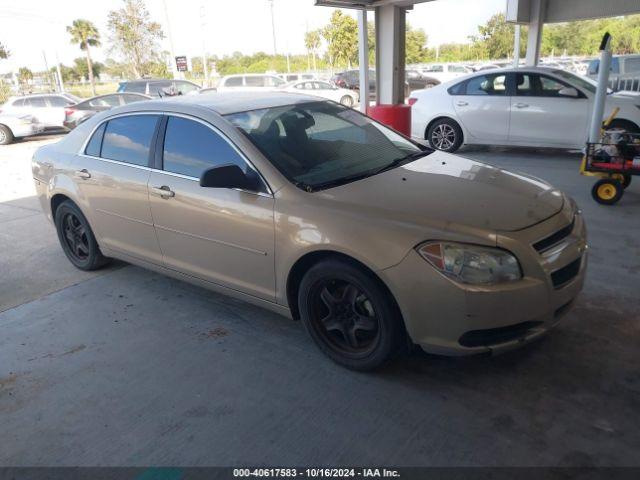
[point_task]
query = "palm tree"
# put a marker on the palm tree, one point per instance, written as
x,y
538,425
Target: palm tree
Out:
x,y
85,33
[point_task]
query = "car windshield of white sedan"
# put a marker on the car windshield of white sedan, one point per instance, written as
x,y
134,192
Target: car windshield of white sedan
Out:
x,y
319,145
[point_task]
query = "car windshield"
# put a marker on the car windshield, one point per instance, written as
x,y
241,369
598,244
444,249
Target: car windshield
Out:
x,y
581,82
319,145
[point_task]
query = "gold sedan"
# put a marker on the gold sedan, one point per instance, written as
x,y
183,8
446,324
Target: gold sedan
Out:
x,y
310,209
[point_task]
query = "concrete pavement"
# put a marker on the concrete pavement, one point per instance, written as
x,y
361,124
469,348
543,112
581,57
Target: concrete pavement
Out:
x,y
132,368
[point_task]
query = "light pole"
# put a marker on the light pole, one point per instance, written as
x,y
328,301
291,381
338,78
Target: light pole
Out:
x,y
174,67
203,21
273,28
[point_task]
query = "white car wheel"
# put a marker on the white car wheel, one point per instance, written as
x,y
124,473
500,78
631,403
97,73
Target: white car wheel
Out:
x,y
6,136
347,101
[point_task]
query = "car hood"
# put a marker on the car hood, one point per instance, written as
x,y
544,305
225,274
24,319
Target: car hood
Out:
x,y
447,190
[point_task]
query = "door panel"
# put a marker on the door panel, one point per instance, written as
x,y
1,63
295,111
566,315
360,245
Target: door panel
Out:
x,y
113,178
222,235
539,116
484,109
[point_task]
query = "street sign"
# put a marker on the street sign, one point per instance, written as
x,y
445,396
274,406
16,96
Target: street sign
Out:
x,y
181,64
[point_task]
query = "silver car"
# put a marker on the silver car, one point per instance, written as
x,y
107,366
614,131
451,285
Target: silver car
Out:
x,y
47,108
17,126
315,211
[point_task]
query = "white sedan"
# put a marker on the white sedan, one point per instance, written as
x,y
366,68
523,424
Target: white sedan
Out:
x,y
322,89
534,107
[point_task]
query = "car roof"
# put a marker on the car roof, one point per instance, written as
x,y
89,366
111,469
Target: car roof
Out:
x,y
225,103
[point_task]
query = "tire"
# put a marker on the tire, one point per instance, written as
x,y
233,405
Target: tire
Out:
x,y
347,101
350,315
445,134
6,135
623,124
607,191
77,239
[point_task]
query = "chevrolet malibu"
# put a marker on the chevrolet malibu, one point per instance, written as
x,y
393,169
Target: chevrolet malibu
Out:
x,y
311,209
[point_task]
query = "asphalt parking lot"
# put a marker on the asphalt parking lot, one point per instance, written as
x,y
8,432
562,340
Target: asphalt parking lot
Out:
x,y
127,367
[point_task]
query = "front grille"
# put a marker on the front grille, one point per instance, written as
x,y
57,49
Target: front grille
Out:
x,y
564,275
495,336
555,238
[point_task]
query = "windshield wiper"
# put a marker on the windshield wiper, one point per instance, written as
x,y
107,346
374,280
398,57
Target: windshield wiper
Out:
x,y
402,160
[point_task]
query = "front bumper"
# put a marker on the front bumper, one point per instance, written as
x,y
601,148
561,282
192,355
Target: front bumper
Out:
x,y
446,317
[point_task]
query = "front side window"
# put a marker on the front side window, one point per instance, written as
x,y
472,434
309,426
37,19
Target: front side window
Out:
x,y
190,148
550,87
317,145
233,82
128,139
492,84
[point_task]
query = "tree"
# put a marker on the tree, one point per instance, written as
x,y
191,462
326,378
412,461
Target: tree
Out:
x,y
86,35
24,75
4,52
495,39
415,45
312,43
341,35
135,36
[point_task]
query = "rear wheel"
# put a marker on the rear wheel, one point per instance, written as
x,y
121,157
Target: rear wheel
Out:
x,y
6,135
624,179
77,239
347,101
350,315
607,191
445,134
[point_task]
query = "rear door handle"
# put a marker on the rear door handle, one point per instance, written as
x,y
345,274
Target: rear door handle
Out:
x,y
84,174
462,103
521,105
163,191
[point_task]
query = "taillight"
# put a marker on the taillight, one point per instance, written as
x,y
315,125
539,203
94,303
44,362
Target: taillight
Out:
x,y
69,111
412,100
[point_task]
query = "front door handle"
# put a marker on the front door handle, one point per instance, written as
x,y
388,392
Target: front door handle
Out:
x,y
521,105
84,174
163,191
462,103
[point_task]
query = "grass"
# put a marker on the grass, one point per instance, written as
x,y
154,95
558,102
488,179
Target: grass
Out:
x,y
84,91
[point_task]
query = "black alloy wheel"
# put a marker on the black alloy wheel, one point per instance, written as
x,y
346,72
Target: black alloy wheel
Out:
x,y
350,314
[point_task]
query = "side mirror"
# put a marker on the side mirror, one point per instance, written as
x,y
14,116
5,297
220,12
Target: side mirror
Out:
x,y
568,92
225,176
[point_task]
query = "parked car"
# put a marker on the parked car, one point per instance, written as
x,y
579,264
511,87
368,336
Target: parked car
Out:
x,y
47,109
350,79
14,126
159,87
294,77
533,106
443,72
78,113
323,89
419,81
250,82
625,72
313,210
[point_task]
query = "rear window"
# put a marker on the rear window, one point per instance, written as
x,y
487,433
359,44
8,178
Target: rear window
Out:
x,y
128,139
136,87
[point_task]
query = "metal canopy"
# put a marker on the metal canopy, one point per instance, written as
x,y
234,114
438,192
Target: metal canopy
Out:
x,y
519,11
369,4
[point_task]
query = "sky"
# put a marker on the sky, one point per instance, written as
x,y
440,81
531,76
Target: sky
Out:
x,y
31,27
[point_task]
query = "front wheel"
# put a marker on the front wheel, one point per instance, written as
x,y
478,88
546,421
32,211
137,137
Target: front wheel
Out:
x,y
350,316
347,101
445,135
607,191
77,239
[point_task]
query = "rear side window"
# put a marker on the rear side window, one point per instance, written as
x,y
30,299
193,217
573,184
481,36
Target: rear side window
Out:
x,y
37,102
487,85
255,81
233,82
136,87
190,148
58,101
128,139
94,145
458,89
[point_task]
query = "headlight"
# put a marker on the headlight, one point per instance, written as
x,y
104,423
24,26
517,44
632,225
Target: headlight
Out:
x,y
471,263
